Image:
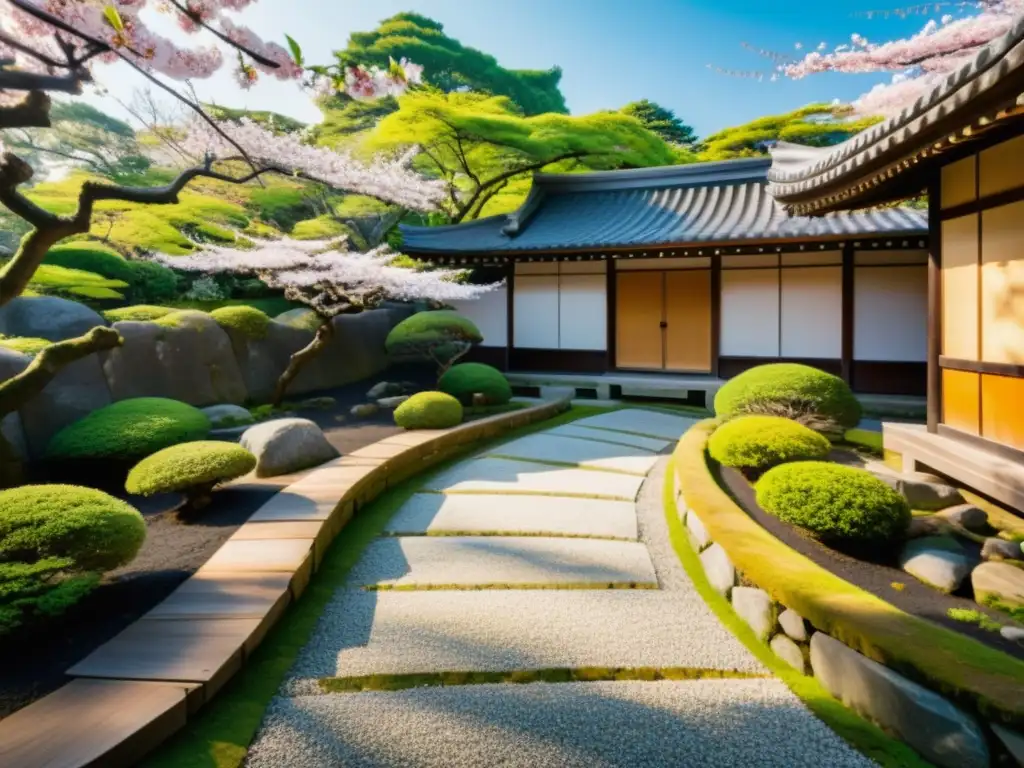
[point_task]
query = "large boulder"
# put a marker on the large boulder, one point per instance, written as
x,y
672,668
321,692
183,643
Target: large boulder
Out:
x,y
47,317
356,350
999,582
936,560
11,364
76,391
922,490
282,446
227,415
263,360
189,359
943,734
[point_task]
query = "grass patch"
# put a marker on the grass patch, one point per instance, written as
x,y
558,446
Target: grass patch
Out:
x,y
866,439
971,616
860,734
522,676
219,737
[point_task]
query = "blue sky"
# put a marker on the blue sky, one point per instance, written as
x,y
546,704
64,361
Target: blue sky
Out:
x,y
611,51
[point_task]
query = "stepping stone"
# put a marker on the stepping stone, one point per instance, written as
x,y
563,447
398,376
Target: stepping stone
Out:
x,y
572,450
365,633
226,596
466,561
604,435
641,422
472,513
490,475
553,725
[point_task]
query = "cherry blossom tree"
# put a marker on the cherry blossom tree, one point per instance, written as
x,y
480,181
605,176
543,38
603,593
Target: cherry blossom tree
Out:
x,y
329,279
917,64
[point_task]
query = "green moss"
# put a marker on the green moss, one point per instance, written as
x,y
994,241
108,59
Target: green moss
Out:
x,y
790,386
250,322
26,345
970,616
866,439
1014,610
188,465
976,676
138,313
130,429
841,506
180,318
860,734
301,317
760,442
429,410
465,380
430,329
53,279
320,228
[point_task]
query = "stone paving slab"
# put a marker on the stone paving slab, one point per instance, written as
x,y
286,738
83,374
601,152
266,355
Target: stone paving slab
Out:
x,y
226,596
643,422
93,722
435,561
694,724
288,505
582,452
510,476
652,444
366,633
472,513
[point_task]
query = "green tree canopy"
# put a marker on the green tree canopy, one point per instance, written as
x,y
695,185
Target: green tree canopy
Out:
x,y
662,121
481,144
451,66
816,125
271,120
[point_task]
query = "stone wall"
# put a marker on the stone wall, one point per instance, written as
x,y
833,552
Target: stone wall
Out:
x,y
943,733
198,362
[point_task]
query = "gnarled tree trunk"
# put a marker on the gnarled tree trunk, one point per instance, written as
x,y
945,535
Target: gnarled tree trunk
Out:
x,y
298,360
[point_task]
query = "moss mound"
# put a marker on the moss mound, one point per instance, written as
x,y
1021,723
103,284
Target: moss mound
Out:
x,y
139,313
464,380
26,345
185,466
760,442
86,528
425,329
249,321
306,319
841,506
429,410
145,280
130,429
788,388
180,318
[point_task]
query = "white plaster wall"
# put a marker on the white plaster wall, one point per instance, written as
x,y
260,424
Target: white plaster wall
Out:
x,y
490,314
812,312
890,313
535,317
583,314
750,313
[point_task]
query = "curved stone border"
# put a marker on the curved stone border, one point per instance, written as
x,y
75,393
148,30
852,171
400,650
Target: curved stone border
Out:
x,y
857,645
136,690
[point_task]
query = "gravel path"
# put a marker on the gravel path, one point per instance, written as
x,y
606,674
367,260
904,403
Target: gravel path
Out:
x,y
422,629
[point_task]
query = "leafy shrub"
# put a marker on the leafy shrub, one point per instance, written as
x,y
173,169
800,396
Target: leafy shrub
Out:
x,y
760,442
139,313
193,468
865,439
55,540
441,335
249,321
466,379
53,279
205,289
152,282
145,280
130,429
842,506
26,345
429,410
789,389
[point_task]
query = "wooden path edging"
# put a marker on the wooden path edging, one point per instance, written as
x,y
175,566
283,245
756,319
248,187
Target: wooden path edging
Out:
x,y
136,690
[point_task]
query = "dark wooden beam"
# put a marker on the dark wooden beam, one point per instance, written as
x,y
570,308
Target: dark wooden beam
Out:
x,y
934,409
846,354
611,312
716,312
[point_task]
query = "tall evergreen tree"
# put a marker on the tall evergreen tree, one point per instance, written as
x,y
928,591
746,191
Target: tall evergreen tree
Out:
x,y
662,121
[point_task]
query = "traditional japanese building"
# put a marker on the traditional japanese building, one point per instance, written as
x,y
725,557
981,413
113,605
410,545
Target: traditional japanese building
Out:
x,y
964,144
693,269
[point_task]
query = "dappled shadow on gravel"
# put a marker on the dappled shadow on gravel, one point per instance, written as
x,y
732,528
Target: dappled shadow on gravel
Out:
x,y
875,577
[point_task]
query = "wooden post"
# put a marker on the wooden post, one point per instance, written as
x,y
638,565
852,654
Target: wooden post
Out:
x,y
716,310
846,355
510,281
934,408
610,311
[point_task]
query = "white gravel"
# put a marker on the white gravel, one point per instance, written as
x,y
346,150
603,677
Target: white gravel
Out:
x,y
364,633
439,513
641,422
742,723
574,450
513,560
491,475
607,436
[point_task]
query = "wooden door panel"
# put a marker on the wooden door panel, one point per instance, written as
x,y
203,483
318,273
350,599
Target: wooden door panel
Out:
x,y
638,308
688,318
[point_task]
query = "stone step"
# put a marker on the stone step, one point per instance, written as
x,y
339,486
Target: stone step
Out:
x,y
398,632
581,452
417,562
641,422
439,514
491,475
574,429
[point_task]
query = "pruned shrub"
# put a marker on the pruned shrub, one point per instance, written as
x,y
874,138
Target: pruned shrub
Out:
x,y
249,321
138,313
817,399
55,541
130,429
190,468
761,442
465,380
841,506
429,410
146,280
440,335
